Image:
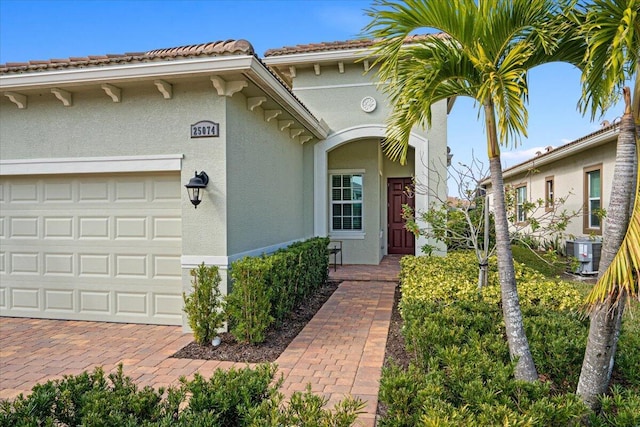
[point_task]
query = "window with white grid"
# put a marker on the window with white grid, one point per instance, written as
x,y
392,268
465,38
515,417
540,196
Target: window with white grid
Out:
x,y
346,202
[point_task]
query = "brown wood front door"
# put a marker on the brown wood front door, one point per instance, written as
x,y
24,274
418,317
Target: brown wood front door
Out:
x,y
399,240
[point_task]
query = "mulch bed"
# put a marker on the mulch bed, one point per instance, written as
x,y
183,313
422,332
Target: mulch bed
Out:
x,y
277,339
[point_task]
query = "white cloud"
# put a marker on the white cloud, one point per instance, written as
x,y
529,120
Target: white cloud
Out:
x,y
511,158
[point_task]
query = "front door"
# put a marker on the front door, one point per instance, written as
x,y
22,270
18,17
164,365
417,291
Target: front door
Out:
x,y
399,240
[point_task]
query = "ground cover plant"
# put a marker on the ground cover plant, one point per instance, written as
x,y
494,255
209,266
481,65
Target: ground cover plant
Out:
x,y
236,397
457,369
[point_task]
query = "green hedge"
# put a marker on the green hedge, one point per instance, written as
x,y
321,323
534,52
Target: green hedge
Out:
x,y
236,397
461,373
266,289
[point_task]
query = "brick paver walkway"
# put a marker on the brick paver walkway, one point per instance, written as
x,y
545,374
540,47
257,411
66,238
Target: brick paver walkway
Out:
x,y
339,352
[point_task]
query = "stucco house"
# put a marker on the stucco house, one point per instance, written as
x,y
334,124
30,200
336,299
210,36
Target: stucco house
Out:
x,y
96,151
580,171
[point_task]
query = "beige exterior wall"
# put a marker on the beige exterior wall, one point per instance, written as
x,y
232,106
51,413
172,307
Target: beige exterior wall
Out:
x,y
569,181
336,98
364,156
265,181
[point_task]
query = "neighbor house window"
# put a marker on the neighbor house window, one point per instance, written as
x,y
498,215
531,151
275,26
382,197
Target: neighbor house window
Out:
x,y
521,199
346,202
549,196
592,199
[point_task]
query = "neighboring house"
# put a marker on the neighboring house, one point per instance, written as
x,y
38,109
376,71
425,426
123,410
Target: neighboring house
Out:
x,y
96,151
580,171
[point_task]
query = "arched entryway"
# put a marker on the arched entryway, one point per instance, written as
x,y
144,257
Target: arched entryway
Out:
x,y
332,165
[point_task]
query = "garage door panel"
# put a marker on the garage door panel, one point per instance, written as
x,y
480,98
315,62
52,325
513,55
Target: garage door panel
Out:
x,y
106,256
59,264
26,299
59,300
131,266
166,267
23,227
129,303
24,263
131,228
95,302
168,305
167,228
93,192
94,265
94,227
58,192
23,193
130,191
58,227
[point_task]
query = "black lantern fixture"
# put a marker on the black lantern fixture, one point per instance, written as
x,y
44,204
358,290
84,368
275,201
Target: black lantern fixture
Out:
x,y
196,187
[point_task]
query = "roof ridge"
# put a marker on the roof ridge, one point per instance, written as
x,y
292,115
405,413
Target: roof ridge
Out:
x,y
217,48
359,43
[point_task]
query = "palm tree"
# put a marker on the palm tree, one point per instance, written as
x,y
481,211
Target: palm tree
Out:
x,y
484,51
612,32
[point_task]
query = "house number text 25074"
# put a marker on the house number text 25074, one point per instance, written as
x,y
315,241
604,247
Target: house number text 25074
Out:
x,y
205,129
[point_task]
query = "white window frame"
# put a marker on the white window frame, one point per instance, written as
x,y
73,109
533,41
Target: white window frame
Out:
x,y
521,215
589,227
346,234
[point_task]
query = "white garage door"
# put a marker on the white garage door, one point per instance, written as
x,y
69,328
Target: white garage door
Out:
x,y
92,247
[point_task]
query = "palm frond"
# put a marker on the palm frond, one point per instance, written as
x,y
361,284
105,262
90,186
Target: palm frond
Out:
x,y
612,32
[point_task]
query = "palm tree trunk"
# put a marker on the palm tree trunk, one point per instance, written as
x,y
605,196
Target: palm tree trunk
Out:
x,y
606,317
516,336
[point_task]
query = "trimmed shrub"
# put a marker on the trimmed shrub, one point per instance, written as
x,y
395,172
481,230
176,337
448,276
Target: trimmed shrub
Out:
x,y
85,400
204,305
233,398
249,303
266,289
237,397
461,372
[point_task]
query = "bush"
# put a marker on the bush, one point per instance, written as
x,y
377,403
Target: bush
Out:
x,y
461,372
237,397
204,305
249,303
266,289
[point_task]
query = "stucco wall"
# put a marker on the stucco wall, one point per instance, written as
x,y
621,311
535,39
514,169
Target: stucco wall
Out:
x,y
568,174
361,155
336,98
144,123
265,183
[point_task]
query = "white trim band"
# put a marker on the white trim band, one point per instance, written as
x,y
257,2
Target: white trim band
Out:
x,y
154,163
223,262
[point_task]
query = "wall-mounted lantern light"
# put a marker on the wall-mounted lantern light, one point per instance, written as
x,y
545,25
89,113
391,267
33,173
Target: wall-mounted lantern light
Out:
x,y
196,187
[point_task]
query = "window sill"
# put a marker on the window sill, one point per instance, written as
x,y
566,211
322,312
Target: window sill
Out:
x,y
347,235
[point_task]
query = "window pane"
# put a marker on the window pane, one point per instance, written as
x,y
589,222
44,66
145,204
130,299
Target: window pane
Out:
x,y
337,223
335,194
346,181
335,180
337,210
357,223
594,220
346,223
346,210
346,194
357,209
356,186
594,184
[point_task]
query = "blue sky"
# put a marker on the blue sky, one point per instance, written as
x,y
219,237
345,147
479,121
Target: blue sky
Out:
x,y
45,29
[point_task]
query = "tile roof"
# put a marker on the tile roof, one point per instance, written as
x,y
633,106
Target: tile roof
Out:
x,y
340,45
219,48
582,139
